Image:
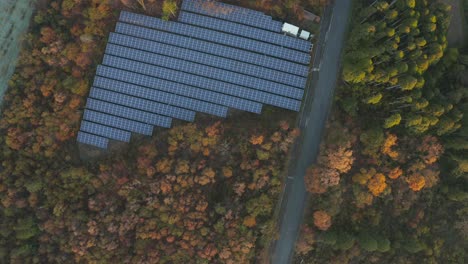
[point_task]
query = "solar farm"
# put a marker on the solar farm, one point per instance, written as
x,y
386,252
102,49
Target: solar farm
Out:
x,y
205,62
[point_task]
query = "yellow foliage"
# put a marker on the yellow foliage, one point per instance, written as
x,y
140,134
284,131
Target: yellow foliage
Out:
x,y
267,146
395,173
250,221
363,199
377,184
256,140
182,167
390,141
206,152
363,176
227,172
416,182
164,166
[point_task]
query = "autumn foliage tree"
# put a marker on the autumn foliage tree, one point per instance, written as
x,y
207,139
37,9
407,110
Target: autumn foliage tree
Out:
x,y
322,220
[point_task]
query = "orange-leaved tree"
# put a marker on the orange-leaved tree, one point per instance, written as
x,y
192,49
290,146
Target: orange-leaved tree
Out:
x,y
322,220
377,184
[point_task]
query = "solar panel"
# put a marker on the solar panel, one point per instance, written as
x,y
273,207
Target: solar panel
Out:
x,y
208,59
118,122
246,31
205,63
129,113
93,140
181,89
160,96
213,48
233,13
215,36
238,103
187,78
142,104
201,70
105,131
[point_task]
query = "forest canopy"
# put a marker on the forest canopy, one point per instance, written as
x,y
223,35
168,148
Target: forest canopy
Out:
x,y
391,186
196,193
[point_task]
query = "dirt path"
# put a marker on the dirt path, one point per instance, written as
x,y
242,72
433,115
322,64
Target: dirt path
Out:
x,y
457,33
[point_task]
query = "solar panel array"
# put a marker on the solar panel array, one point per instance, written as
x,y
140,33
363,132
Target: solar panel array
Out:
x,y
232,13
243,30
213,48
216,37
215,57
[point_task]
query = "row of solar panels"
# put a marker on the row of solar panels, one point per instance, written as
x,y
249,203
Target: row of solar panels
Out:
x,y
149,77
233,13
245,31
231,65
238,97
212,48
193,80
97,127
217,37
195,69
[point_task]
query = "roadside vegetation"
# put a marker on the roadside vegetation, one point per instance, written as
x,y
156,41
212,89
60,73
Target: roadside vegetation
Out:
x,y
196,193
390,182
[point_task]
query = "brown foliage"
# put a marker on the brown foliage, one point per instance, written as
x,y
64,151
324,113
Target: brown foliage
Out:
x,y
312,181
430,149
395,173
322,220
48,35
416,182
306,240
431,176
83,60
250,221
227,172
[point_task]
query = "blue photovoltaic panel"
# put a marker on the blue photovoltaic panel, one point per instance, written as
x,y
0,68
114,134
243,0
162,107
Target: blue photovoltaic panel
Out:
x,y
206,63
118,122
246,31
129,113
201,70
237,103
142,104
233,13
105,131
92,140
186,78
160,96
215,36
213,48
179,88
208,59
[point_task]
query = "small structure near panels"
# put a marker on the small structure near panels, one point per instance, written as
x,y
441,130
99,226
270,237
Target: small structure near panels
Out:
x,y
207,62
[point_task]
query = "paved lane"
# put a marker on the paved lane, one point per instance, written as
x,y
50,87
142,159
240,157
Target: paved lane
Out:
x,y
312,122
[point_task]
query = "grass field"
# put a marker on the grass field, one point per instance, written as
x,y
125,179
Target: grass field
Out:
x,y
14,18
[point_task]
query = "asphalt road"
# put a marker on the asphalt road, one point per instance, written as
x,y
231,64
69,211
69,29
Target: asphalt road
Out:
x,y
318,101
